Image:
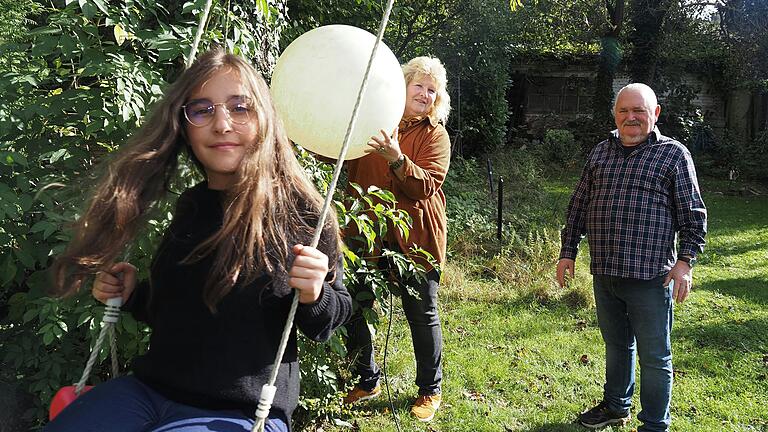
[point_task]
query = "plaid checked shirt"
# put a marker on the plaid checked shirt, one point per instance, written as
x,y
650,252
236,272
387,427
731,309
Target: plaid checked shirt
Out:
x,y
631,208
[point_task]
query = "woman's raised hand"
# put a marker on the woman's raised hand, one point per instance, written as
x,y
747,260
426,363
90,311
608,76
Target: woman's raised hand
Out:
x,y
308,273
118,281
385,146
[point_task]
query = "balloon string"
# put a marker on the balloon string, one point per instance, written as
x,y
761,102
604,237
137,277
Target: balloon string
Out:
x,y
264,400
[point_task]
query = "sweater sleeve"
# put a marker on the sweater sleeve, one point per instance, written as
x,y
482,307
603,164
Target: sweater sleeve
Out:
x,y
138,303
318,320
425,174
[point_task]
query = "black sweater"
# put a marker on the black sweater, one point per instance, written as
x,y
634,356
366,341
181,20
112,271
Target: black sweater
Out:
x,y
220,360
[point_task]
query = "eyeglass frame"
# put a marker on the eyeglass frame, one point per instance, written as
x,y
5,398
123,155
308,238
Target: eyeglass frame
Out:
x,y
227,112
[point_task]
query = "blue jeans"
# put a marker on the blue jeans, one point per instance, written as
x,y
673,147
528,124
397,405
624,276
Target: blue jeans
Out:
x,y
636,316
426,334
126,404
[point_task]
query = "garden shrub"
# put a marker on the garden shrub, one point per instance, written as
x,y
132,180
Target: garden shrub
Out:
x,y
680,116
558,146
72,90
731,156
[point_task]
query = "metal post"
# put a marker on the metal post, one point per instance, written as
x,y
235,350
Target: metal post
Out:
x,y
501,208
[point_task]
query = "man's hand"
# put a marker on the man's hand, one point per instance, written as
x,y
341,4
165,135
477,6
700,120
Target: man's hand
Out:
x,y
563,265
682,274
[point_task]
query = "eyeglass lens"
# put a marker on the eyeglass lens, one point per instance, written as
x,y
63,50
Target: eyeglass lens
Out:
x,y
202,111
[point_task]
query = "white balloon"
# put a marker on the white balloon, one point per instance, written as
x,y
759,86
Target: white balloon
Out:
x,y
315,85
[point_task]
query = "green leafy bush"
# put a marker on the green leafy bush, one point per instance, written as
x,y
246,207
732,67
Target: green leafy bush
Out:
x,y
324,366
558,146
732,156
72,89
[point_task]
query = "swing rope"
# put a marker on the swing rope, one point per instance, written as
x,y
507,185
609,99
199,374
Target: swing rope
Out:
x,y
112,312
111,316
269,389
199,34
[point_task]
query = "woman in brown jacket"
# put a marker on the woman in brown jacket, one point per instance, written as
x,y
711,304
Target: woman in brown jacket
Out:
x,y
412,164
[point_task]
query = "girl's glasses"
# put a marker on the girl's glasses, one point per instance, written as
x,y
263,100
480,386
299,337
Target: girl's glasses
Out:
x,y
200,112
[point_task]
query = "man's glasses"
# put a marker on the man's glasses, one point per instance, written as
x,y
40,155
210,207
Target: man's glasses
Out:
x,y
200,112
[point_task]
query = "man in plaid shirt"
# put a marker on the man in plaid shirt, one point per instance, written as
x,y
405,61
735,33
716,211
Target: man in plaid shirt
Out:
x,y
638,203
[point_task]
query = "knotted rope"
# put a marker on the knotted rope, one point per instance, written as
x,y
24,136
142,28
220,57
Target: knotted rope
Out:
x,y
108,321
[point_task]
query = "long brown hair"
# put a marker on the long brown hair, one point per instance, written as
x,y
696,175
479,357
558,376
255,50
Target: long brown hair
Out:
x,y
270,207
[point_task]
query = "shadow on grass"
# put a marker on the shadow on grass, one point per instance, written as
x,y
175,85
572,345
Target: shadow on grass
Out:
x,y
727,338
559,427
380,408
754,289
401,401
734,248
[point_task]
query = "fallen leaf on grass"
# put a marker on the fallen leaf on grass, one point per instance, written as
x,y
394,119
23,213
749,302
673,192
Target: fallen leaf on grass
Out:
x,y
473,395
584,359
342,423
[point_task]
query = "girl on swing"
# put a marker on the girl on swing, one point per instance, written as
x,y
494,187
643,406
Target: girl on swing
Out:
x,y
219,288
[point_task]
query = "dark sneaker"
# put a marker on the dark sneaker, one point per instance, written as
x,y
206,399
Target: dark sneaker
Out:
x,y
602,416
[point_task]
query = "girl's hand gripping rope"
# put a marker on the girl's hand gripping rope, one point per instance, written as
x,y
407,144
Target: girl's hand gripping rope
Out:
x,y
308,273
117,281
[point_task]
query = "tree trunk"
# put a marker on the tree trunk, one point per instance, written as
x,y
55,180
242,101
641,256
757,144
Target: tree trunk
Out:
x,y
648,20
610,57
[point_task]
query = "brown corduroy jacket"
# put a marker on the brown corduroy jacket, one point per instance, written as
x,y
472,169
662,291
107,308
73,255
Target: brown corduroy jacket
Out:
x,y
427,149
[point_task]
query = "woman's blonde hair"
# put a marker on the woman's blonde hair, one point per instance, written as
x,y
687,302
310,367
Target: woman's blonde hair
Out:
x,y
420,67
270,207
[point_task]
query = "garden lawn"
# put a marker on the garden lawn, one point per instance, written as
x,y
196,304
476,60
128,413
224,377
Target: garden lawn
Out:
x,y
513,364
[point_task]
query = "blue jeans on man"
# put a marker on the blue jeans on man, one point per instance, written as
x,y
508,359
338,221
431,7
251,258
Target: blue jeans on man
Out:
x,y
635,316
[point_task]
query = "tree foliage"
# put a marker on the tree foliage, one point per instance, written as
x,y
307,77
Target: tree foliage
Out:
x,y
78,77
75,85
744,28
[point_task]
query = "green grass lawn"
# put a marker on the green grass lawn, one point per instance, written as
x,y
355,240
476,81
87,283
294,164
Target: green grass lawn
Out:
x,y
513,364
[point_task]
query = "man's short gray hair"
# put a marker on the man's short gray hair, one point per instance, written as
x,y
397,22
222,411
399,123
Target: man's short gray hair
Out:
x,y
646,91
